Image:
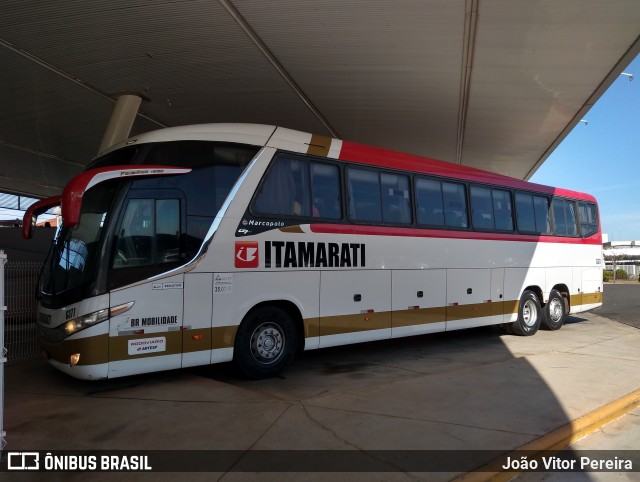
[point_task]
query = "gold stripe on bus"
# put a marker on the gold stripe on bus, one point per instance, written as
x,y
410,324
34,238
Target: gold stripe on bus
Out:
x,y
297,229
336,325
319,145
223,336
119,345
510,307
93,350
196,340
576,300
421,316
311,327
100,349
464,312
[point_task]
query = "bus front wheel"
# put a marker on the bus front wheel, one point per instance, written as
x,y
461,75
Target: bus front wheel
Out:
x,y
265,342
529,315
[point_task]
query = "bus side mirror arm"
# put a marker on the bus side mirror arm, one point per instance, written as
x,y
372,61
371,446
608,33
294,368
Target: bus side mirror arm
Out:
x,y
35,210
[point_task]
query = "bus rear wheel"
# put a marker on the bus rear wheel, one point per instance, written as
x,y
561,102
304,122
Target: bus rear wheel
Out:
x,y
265,342
529,315
554,312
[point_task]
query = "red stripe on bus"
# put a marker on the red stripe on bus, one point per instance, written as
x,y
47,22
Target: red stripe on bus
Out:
x,y
375,156
360,230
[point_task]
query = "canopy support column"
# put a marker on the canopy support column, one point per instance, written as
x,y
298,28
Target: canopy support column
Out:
x,y
122,118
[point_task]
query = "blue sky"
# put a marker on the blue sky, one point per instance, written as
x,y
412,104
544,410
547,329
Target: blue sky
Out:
x,y
603,157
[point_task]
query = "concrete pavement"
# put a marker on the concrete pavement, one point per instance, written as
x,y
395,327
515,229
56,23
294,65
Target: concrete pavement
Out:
x,y
473,390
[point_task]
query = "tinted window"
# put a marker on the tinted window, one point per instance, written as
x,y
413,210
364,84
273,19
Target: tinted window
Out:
x,y
455,205
564,216
524,213
363,188
396,204
215,169
429,202
543,218
532,213
502,210
149,233
491,209
588,219
481,208
285,191
325,186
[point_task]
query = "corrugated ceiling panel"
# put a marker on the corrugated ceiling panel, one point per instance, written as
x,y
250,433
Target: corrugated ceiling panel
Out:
x,y
41,111
525,90
383,73
25,173
189,58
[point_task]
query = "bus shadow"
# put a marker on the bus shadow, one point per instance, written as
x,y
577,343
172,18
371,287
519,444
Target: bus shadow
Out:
x,y
472,393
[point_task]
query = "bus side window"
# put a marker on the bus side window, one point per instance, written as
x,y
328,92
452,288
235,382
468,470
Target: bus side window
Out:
x,y
455,210
325,189
481,208
396,204
502,210
285,190
167,230
525,213
542,215
572,219
364,195
564,215
429,202
588,219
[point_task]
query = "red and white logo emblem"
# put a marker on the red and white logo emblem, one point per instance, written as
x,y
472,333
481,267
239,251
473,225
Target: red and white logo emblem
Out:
x,y
246,254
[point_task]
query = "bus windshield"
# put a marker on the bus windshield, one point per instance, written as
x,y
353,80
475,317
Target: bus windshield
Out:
x,y
133,218
72,262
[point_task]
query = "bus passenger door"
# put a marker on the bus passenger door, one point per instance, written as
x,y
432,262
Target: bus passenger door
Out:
x,y
355,306
148,242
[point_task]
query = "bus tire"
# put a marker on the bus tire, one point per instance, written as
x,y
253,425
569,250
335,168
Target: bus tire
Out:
x,y
554,312
529,315
265,343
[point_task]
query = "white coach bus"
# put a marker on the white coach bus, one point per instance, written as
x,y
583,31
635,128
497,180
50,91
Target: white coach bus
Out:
x,y
202,244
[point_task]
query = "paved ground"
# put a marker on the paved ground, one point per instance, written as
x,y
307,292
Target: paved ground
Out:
x,y
621,435
470,391
621,302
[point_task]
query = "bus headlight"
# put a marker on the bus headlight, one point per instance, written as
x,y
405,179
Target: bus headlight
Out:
x,y
82,322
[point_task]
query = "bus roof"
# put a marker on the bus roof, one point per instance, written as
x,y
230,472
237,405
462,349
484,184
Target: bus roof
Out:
x,y
297,141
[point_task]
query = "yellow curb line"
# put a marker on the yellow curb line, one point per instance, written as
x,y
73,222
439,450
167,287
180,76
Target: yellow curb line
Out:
x,y
556,440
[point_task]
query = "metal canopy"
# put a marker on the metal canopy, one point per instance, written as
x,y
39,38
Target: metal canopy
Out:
x,y
494,84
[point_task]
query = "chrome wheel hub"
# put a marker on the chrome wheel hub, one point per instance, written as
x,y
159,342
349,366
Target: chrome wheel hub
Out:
x,y
267,343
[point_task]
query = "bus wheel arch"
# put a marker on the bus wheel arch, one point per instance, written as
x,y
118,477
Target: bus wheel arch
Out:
x,y
529,312
556,309
267,339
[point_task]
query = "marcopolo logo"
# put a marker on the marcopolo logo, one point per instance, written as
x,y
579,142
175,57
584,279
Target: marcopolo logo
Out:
x,y
246,254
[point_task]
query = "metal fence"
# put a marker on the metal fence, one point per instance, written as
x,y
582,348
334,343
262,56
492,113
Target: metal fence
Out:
x,y
20,317
3,359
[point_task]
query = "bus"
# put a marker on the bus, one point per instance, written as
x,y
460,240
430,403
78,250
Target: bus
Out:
x,y
212,243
